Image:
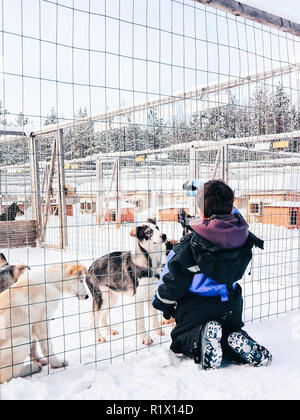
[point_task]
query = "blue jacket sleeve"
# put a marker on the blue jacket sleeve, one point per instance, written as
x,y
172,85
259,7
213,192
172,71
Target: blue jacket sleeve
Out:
x,y
174,282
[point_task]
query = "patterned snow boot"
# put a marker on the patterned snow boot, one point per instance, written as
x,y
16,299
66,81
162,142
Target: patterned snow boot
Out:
x,y
211,354
249,350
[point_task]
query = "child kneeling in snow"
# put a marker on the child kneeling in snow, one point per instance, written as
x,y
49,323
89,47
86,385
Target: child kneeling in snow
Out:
x,y
199,286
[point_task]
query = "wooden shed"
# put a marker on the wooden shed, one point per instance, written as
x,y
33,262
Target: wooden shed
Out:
x,y
88,206
53,209
127,215
263,193
282,214
18,234
170,214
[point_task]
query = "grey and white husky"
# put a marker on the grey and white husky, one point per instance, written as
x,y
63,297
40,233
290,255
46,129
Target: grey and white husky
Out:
x,y
135,273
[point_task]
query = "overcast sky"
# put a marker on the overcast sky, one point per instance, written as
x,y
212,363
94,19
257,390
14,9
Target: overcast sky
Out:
x,y
105,54
288,9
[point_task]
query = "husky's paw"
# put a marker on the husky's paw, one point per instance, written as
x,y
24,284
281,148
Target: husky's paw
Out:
x,y
35,368
112,332
38,368
35,358
101,339
58,364
43,361
160,333
31,369
147,340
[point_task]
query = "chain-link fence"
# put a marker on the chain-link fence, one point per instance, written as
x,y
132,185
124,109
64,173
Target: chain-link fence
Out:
x,y
107,109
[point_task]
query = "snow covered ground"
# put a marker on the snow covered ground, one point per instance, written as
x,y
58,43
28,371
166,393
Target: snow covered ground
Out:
x,y
150,374
103,370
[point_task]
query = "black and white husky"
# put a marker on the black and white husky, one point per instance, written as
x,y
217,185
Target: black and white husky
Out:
x,y
135,273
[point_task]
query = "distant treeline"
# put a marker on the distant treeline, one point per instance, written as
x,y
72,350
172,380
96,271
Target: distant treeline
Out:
x,y
267,112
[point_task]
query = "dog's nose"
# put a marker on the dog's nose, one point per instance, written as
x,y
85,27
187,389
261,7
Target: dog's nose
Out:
x,y
86,297
164,237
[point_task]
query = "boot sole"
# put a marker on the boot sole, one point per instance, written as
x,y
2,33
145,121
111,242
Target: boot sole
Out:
x,y
212,354
250,351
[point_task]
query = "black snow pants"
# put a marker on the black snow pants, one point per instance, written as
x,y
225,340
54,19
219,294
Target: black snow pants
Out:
x,y
193,312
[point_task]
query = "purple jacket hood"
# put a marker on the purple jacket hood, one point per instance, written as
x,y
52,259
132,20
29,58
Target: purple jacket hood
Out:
x,y
225,231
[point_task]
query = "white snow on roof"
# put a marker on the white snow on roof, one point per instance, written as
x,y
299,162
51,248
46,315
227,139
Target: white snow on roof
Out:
x,y
173,206
277,182
258,200
123,205
164,185
137,184
283,204
11,128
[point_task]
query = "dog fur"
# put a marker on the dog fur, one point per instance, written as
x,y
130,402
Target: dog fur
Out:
x,y
11,213
21,329
9,274
135,273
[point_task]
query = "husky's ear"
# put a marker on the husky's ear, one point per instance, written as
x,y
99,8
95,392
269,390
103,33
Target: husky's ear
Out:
x,y
82,269
133,232
74,269
152,220
3,260
18,270
139,232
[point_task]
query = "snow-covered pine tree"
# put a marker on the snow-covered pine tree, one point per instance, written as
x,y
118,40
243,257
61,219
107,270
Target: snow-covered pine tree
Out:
x,y
3,114
195,128
204,121
51,118
231,116
182,132
79,140
135,137
284,115
21,120
156,130
260,111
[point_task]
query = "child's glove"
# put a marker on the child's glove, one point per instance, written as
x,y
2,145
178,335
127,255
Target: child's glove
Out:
x,y
168,310
169,314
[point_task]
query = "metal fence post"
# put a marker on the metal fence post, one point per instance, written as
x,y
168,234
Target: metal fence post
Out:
x,y
193,174
62,205
224,163
99,191
0,192
118,196
35,181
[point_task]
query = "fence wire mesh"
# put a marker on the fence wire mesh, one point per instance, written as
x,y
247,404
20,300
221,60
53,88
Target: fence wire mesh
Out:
x,y
108,107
